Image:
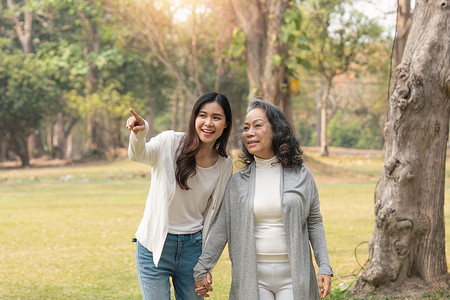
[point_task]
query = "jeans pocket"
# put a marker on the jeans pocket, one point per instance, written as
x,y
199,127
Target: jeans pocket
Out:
x,y
197,238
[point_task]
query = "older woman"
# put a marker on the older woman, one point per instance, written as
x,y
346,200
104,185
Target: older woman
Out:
x,y
269,216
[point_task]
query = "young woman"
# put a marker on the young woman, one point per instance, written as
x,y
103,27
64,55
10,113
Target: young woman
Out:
x,y
270,215
188,177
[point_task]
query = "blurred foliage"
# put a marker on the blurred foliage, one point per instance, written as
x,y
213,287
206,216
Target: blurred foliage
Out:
x,y
53,79
27,90
345,50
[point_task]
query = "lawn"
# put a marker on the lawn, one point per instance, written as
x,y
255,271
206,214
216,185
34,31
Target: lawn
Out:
x,y
65,232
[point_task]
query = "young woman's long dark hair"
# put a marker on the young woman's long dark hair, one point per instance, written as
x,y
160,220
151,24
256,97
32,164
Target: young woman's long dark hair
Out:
x,y
189,147
285,145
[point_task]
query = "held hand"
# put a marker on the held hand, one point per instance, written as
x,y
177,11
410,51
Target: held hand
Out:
x,y
135,122
204,286
324,282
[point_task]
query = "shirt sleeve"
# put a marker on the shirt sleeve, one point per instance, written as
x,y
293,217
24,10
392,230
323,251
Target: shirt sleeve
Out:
x,y
215,242
142,152
317,233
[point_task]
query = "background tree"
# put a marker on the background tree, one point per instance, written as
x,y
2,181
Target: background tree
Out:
x,y
404,18
360,101
62,61
22,18
27,95
261,22
357,107
338,37
408,245
153,25
193,51
102,61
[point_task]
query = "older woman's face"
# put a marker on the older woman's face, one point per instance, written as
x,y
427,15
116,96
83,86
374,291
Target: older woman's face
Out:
x,y
258,134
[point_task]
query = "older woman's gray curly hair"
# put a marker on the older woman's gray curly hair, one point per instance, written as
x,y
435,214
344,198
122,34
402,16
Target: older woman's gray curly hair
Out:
x,y
285,145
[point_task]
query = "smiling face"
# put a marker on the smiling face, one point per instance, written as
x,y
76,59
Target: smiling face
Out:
x,y
210,122
258,134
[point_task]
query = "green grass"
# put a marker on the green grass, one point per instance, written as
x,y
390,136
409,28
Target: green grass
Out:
x,y
65,232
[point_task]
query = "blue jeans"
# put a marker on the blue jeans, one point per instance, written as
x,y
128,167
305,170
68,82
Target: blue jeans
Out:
x,y
179,257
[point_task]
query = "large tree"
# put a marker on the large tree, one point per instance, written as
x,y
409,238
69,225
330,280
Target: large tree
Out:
x,y
408,244
262,21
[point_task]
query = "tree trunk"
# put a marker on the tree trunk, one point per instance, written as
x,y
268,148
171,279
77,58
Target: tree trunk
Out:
x,y
236,132
319,95
286,105
34,144
113,139
69,151
184,110
49,123
324,119
261,23
62,128
151,115
91,43
175,109
3,149
403,26
61,131
408,243
59,138
19,146
22,29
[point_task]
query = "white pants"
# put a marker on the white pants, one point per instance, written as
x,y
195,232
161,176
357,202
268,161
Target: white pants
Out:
x,y
275,281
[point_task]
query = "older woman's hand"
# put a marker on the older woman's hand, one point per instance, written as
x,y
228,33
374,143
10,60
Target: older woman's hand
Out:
x,y
324,282
204,286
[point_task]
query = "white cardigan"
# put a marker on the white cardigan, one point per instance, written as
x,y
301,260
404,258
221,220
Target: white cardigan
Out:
x,y
160,153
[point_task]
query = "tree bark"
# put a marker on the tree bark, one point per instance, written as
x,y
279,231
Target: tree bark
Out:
x,y
69,151
408,243
319,95
61,130
34,143
59,139
23,29
195,65
184,110
403,26
3,149
91,43
19,146
261,22
151,115
324,119
175,109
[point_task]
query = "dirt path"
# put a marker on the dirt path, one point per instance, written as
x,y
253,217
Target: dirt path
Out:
x,y
345,152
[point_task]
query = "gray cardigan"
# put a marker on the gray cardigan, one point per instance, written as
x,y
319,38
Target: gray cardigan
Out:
x,y
235,225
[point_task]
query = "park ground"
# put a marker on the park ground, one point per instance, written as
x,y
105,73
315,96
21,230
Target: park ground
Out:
x,y
66,227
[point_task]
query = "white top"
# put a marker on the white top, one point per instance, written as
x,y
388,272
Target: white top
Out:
x,y
270,235
160,154
187,207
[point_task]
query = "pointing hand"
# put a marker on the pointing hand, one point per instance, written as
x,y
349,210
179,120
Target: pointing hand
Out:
x,y
135,122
